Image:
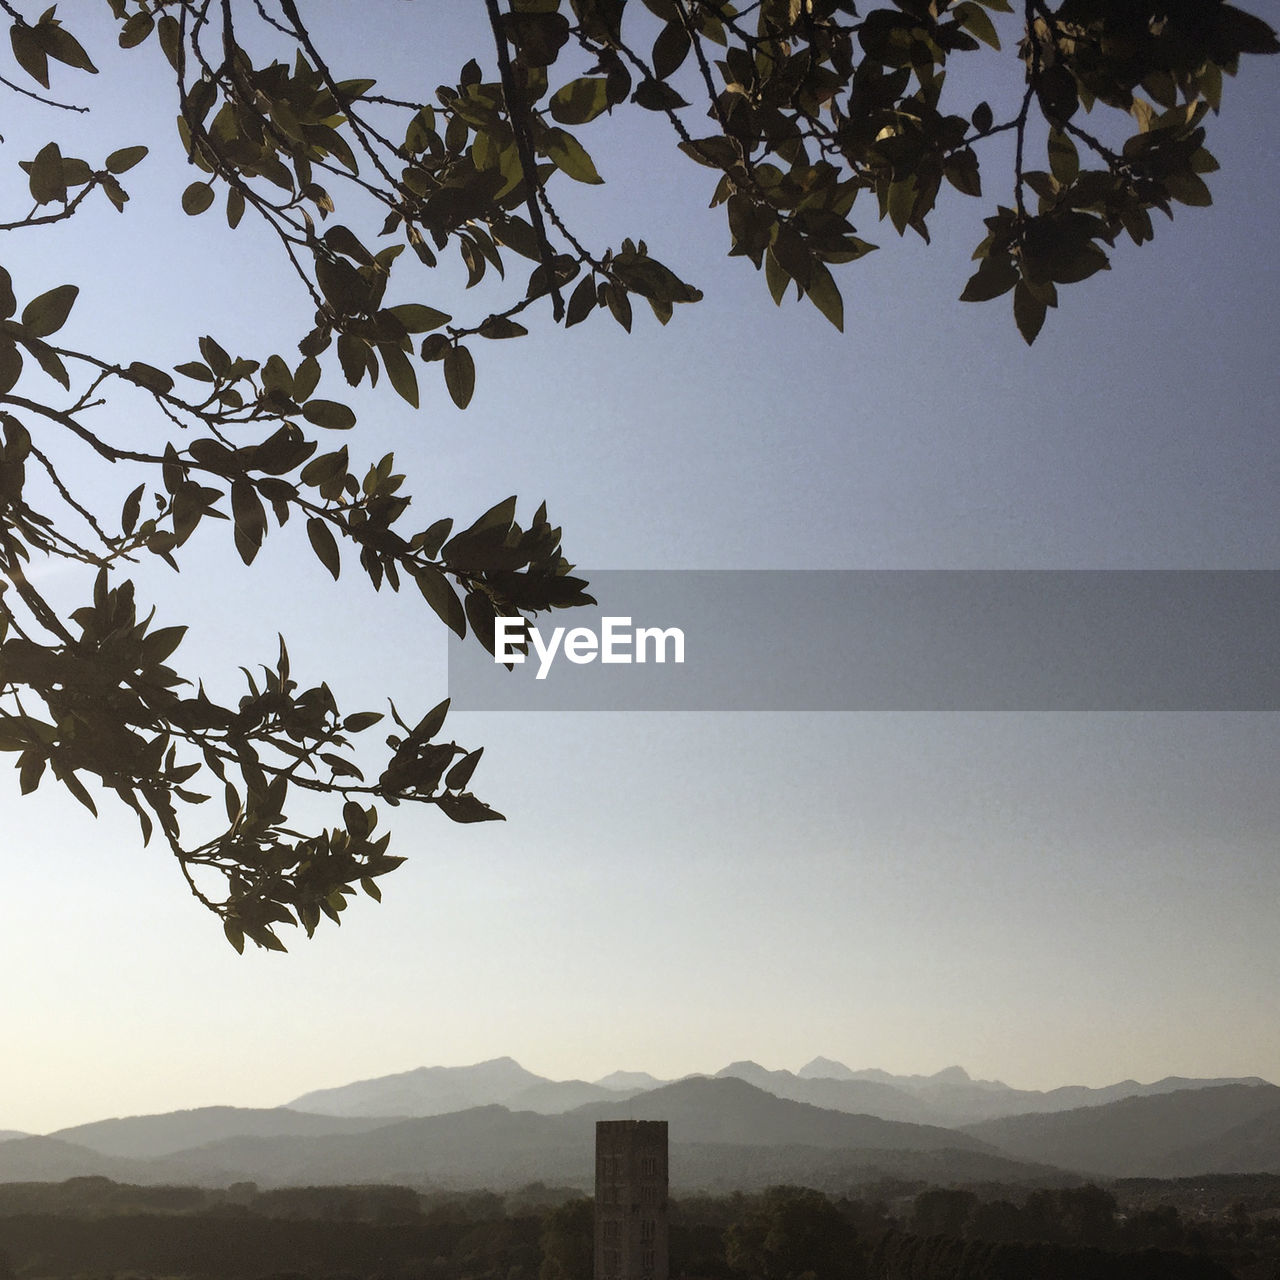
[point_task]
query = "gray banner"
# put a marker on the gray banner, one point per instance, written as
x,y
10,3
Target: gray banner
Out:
x,y
896,640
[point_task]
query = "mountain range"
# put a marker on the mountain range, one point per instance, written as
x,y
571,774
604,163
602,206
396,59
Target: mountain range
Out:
x,y
949,1098
498,1125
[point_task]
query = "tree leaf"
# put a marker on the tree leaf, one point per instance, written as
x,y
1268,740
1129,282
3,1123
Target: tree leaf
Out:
x,y
458,777
29,54
250,519
324,545
466,808
417,318
994,276
329,414
570,157
124,159
1064,159
197,198
460,375
10,366
1028,311
47,181
824,295
148,376
59,43
400,371
580,101
670,49
440,595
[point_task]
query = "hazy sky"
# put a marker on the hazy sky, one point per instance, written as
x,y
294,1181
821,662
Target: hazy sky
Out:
x,y
1042,898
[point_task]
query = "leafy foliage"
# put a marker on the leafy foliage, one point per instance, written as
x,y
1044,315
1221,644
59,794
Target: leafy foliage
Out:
x,y
811,103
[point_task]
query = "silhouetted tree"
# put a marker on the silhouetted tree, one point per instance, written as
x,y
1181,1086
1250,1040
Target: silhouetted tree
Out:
x,y
793,1232
797,111
940,1211
568,1239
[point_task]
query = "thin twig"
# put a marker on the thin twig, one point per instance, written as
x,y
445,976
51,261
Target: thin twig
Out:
x,y
518,113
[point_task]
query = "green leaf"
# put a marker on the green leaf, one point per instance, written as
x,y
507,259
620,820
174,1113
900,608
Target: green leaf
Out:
x,y
329,414
324,545
653,95
466,808
133,33
458,777
502,327
48,313
170,33
440,595
197,198
582,303
49,360
973,18
824,295
250,519
1064,159
59,43
1057,92
417,318
306,377
580,101
131,509
400,371
355,819
1188,188
47,181
1028,311
153,379
215,357
570,157
10,366
123,160
993,277
961,170
29,54
30,770
235,935
615,298
432,722
431,539
715,153
670,49
460,375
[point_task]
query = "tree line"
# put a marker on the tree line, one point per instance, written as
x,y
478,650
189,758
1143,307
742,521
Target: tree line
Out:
x,y
90,1227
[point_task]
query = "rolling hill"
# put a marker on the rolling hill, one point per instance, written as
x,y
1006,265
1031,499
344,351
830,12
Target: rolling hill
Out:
x,y
725,1133
1186,1132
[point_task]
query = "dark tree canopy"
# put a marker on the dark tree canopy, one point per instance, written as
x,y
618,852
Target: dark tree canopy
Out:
x,y
806,113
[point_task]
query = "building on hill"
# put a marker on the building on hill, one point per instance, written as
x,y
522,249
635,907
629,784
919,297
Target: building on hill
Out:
x,y
631,1200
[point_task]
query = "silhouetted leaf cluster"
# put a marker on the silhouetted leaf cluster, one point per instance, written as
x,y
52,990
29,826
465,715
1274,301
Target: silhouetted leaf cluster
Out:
x,y
798,109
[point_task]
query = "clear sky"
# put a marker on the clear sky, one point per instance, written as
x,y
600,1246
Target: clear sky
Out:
x,y
1043,898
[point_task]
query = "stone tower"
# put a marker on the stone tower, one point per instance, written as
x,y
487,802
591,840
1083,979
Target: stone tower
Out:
x,y
631,1200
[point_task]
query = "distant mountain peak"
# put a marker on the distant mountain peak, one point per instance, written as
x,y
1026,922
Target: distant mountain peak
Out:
x,y
424,1091
825,1069
620,1080
950,1075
